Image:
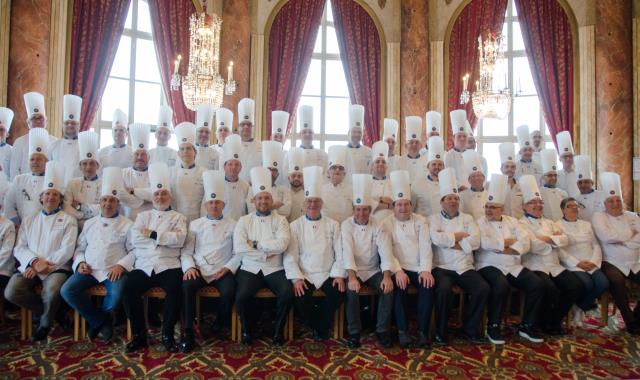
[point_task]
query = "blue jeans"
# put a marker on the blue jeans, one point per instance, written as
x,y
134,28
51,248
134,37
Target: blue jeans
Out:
x,y
73,291
595,284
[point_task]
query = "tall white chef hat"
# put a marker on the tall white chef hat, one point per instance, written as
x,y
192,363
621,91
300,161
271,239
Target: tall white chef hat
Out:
x,y
337,156
112,182
524,139
390,129
295,160
507,152
159,177
549,161
610,185
6,117
497,189
400,185
71,107
434,122
356,116
185,133
139,136
165,118
413,128
472,162
447,181
204,116
260,180
312,181
213,181
279,121
583,167
529,186
565,146
88,145
361,185
436,148
246,111
38,141
54,176
119,119
458,121
224,118
271,154
231,148
34,103
379,149
305,118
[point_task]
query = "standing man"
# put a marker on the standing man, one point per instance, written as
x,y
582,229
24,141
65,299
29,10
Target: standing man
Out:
x,y
279,122
526,165
568,176
207,157
551,195
425,192
312,156
337,191
295,160
136,177
474,198
224,123
413,161
589,200
65,150
235,189
381,187
453,158
6,118
119,154
162,152
358,155
251,155
513,198
272,160
186,176
434,128
390,136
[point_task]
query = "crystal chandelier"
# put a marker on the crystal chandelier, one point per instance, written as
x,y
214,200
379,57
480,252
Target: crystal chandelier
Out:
x,y
203,83
487,101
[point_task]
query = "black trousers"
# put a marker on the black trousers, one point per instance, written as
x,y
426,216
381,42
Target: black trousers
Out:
x,y
138,283
619,292
320,319
526,281
249,284
561,292
475,288
226,287
425,304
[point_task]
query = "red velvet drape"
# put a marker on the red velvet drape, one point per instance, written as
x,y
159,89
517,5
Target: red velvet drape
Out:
x,y
95,34
170,25
548,41
291,41
479,17
360,48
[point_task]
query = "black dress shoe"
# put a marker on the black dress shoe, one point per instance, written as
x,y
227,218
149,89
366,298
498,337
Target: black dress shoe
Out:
x,y
439,340
473,338
405,340
246,338
277,340
40,334
169,343
136,343
353,341
423,340
384,338
106,332
93,332
188,343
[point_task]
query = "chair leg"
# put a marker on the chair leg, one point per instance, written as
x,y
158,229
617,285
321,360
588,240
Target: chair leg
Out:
x,y
29,323
198,309
23,323
234,325
336,324
129,333
604,309
289,326
76,326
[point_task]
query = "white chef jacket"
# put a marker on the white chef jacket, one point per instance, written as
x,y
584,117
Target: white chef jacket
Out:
x,y
338,204
209,247
454,159
492,237
620,247
187,190
141,198
367,249
552,197
85,192
250,157
20,156
6,151
297,205
532,167
162,253
442,229
164,154
380,188
589,204
271,232
280,194
568,181
583,245
425,196
207,157
358,161
66,151
315,251
49,237
513,202
543,257
417,167
23,198
7,240
411,243
121,156
473,202
235,199
103,243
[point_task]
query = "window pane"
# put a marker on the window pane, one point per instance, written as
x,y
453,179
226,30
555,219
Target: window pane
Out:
x,y
122,60
318,46
127,23
313,83
526,110
518,42
336,81
491,152
147,103
495,127
500,74
522,79
146,61
314,102
116,95
329,11
144,17
332,41
106,138
337,116
287,145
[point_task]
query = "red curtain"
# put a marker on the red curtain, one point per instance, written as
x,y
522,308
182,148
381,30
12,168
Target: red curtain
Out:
x,y
170,25
291,41
548,41
95,34
360,48
479,17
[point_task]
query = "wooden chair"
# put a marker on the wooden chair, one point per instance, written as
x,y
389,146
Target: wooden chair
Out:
x,y
26,317
212,292
262,293
79,323
606,299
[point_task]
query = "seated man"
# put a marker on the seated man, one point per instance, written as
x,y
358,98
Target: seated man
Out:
x,y
208,259
562,287
502,243
455,236
7,241
103,256
158,235
260,239
583,257
313,259
337,189
44,250
412,250
368,259
619,234
82,198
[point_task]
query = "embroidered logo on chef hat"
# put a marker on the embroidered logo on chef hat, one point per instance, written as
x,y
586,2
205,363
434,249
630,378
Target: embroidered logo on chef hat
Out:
x,y
36,110
50,184
140,146
213,195
159,186
537,194
235,155
262,188
71,116
296,168
358,201
400,195
490,197
206,123
114,192
437,156
306,193
579,176
89,155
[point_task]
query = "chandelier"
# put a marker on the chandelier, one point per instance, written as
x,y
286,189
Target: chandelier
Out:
x,y
203,83
488,102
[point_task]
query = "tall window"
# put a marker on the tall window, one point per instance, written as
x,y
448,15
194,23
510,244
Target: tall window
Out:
x,y
326,89
525,107
134,81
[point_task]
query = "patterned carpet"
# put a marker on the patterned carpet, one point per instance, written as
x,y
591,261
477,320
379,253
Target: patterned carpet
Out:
x,y
590,353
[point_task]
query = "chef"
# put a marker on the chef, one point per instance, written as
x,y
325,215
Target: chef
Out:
x,y
119,154
358,155
235,189
568,176
551,194
279,123
413,162
390,136
453,158
474,198
136,177
433,128
207,157
295,178
163,152
186,176
337,192
425,192
381,188
65,150
513,198
272,159
589,199
6,150
224,123
251,148
526,164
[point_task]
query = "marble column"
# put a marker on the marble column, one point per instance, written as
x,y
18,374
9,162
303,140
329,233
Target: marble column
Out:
x,y
614,91
28,56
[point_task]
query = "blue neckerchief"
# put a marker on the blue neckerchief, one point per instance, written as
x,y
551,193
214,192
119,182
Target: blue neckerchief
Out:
x,y
250,140
313,219
54,211
446,216
228,180
37,175
110,217
143,170
121,146
166,209
476,191
258,213
569,221
548,187
530,216
430,178
72,138
202,145
380,179
413,158
94,178
356,222
304,147
526,162
355,147
590,191
218,218
2,144
190,166
458,150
